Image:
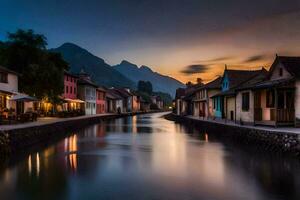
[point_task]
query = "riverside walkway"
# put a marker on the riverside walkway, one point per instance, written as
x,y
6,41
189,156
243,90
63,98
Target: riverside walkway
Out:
x,y
291,130
49,120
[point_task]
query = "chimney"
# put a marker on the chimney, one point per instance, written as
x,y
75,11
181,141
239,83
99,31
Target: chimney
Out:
x,y
199,80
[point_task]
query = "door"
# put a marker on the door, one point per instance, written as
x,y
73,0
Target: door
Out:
x,y
257,106
222,106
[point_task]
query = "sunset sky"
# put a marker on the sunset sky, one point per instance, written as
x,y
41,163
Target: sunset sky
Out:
x,y
185,39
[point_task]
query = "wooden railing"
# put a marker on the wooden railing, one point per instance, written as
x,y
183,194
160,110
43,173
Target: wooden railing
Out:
x,y
282,114
278,115
285,115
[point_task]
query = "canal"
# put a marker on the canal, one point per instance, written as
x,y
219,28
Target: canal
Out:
x,y
148,157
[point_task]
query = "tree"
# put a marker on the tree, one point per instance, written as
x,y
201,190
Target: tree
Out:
x,y
145,86
41,71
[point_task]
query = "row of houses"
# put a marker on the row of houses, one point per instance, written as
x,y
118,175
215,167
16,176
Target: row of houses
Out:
x,y
81,95
257,97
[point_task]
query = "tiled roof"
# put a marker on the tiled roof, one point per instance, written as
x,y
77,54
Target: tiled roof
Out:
x,y
101,89
215,84
230,92
241,79
123,92
86,82
237,77
253,81
8,70
112,94
273,83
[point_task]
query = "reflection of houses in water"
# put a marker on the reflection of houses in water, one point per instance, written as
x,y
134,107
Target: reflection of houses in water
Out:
x,y
90,131
101,129
34,164
71,149
123,125
206,137
134,124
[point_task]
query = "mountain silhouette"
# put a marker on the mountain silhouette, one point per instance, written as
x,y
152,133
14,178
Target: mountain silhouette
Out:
x,y
125,74
159,82
101,72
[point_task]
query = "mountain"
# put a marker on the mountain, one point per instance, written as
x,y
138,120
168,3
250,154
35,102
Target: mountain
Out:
x,y
101,72
159,82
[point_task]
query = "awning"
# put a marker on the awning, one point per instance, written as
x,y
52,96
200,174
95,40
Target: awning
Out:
x,y
274,83
23,98
230,92
74,100
7,92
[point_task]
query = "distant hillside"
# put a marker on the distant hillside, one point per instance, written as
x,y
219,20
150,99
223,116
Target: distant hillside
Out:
x,y
159,82
101,72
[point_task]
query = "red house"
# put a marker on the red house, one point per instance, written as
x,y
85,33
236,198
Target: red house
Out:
x,y
70,92
101,100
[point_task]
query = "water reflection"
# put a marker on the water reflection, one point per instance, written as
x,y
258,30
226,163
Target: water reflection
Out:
x,y
71,149
147,157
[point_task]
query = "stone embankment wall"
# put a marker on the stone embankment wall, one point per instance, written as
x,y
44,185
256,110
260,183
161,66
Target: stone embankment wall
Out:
x,y
18,139
262,139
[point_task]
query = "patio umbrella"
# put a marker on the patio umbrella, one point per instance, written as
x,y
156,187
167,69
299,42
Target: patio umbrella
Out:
x,y
23,98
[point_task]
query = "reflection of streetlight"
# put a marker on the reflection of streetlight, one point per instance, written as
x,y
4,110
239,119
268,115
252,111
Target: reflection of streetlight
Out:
x,y
37,164
206,137
134,124
72,144
29,165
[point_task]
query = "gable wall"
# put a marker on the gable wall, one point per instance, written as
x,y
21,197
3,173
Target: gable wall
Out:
x,y
275,73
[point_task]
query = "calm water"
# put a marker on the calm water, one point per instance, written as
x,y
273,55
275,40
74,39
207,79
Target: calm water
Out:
x,y
148,157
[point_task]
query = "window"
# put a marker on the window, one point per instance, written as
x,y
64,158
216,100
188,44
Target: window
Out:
x,y
3,77
270,99
214,103
67,78
71,89
67,89
245,101
280,72
74,90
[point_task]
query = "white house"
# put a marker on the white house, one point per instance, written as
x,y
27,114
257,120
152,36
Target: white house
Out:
x,y
87,93
8,87
277,99
202,102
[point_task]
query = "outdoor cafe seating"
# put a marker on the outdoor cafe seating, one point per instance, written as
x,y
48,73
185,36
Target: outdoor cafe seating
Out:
x,y
18,115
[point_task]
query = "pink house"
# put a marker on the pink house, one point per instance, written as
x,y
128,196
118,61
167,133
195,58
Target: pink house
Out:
x,y
101,100
70,84
70,92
